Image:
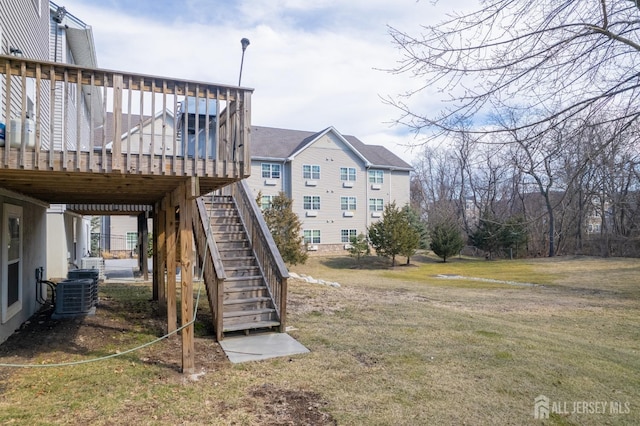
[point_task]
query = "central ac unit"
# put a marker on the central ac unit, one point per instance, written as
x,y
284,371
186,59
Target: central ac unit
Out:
x,y
74,297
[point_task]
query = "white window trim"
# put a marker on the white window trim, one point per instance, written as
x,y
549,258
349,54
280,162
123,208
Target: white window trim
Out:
x,y
271,166
9,312
311,176
133,240
348,179
311,203
351,203
312,231
349,235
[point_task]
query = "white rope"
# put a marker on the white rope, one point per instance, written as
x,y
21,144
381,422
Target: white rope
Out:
x,y
137,348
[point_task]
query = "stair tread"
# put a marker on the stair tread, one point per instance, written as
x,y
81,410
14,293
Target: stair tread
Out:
x,y
233,314
247,288
247,300
240,258
246,277
250,325
236,268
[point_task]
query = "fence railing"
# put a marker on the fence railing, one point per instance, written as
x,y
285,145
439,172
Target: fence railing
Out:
x,y
63,117
210,259
267,254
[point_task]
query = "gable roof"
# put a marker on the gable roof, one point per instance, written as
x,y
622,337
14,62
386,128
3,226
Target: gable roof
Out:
x,y
284,145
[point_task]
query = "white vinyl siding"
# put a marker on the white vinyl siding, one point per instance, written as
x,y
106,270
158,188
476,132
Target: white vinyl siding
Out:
x,y
347,234
330,204
398,188
312,236
311,172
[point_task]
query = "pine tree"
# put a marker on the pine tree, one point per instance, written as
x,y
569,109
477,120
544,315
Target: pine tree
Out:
x,y
359,247
285,227
446,239
393,235
418,225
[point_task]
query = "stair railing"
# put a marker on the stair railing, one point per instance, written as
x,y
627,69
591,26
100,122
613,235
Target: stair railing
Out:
x,y
267,254
214,275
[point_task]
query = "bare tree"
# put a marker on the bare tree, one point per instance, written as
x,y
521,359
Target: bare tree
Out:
x,y
555,60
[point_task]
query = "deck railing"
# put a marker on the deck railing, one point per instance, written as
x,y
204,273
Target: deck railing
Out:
x,y
63,117
210,259
269,259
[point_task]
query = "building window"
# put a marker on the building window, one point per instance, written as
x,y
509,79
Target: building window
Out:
x,y
376,204
348,174
347,203
132,240
265,202
270,171
310,172
312,236
347,234
311,202
376,176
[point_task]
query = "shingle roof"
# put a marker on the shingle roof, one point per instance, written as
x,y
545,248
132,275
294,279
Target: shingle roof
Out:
x,y
269,142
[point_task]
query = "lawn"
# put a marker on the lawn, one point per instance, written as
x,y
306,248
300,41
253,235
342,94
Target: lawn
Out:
x,y
466,342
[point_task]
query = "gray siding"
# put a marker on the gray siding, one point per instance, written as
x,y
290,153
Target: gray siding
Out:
x,y
268,186
24,25
24,28
330,153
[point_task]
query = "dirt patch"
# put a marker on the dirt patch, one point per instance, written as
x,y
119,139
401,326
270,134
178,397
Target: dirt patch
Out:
x,y
124,323
289,407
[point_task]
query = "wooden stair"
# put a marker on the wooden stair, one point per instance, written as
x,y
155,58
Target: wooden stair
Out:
x,y
247,304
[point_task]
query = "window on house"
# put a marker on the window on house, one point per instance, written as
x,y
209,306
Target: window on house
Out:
x,y
347,234
376,204
132,240
376,176
310,172
270,171
348,174
312,236
265,202
347,203
311,202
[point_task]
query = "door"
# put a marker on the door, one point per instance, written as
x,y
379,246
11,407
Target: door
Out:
x,y
11,261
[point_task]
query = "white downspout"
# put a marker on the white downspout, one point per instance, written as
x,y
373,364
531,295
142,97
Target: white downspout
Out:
x,y
366,192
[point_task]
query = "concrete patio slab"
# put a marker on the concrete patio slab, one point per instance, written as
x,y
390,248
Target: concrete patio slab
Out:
x,y
260,346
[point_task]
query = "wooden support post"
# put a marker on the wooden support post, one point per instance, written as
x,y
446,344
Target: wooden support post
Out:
x,y
172,316
154,256
143,243
186,273
161,250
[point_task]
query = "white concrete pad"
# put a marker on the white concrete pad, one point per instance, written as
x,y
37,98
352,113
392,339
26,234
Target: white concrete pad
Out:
x,y
260,346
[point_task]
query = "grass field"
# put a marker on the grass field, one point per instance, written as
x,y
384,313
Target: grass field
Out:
x,y
466,342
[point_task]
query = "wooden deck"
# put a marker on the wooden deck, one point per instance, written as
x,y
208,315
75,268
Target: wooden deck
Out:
x,y
77,135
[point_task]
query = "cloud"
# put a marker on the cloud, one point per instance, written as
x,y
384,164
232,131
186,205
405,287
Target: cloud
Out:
x,y
312,64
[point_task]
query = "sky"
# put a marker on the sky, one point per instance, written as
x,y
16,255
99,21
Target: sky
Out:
x,y
312,63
